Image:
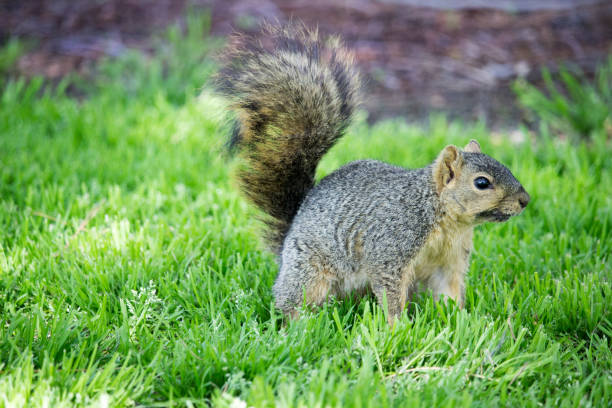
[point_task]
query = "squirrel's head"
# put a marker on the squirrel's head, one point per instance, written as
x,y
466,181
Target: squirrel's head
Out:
x,y
475,188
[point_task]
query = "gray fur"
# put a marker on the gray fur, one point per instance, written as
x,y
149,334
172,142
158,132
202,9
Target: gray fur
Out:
x,y
367,217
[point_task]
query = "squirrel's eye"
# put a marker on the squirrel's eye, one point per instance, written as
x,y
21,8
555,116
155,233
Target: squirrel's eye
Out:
x,y
482,183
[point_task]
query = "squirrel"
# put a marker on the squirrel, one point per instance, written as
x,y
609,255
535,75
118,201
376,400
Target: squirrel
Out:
x,y
368,225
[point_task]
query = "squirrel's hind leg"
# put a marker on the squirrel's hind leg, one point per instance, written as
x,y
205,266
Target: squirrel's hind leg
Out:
x,y
304,279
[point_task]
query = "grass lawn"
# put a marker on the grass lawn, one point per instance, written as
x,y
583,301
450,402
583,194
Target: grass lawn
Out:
x,y
131,271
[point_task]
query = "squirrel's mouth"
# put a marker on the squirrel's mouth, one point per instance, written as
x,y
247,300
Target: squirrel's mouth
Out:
x,y
494,215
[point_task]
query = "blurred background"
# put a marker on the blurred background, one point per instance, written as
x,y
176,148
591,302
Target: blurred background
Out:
x,y
459,57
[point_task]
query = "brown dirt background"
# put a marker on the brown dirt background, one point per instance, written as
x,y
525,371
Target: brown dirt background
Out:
x,y
457,58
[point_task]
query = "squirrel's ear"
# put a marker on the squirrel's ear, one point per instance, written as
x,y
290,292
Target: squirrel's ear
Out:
x,y
447,166
472,147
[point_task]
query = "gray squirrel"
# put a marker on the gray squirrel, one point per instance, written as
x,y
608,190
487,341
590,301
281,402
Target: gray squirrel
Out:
x,y
368,225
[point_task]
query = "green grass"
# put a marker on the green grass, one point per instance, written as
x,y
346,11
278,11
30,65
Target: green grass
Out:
x,y
574,105
131,273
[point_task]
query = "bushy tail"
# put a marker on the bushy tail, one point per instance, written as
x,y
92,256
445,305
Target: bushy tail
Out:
x,y
293,94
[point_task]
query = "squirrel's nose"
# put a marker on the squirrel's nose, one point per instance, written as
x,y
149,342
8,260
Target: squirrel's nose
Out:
x,y
523,199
